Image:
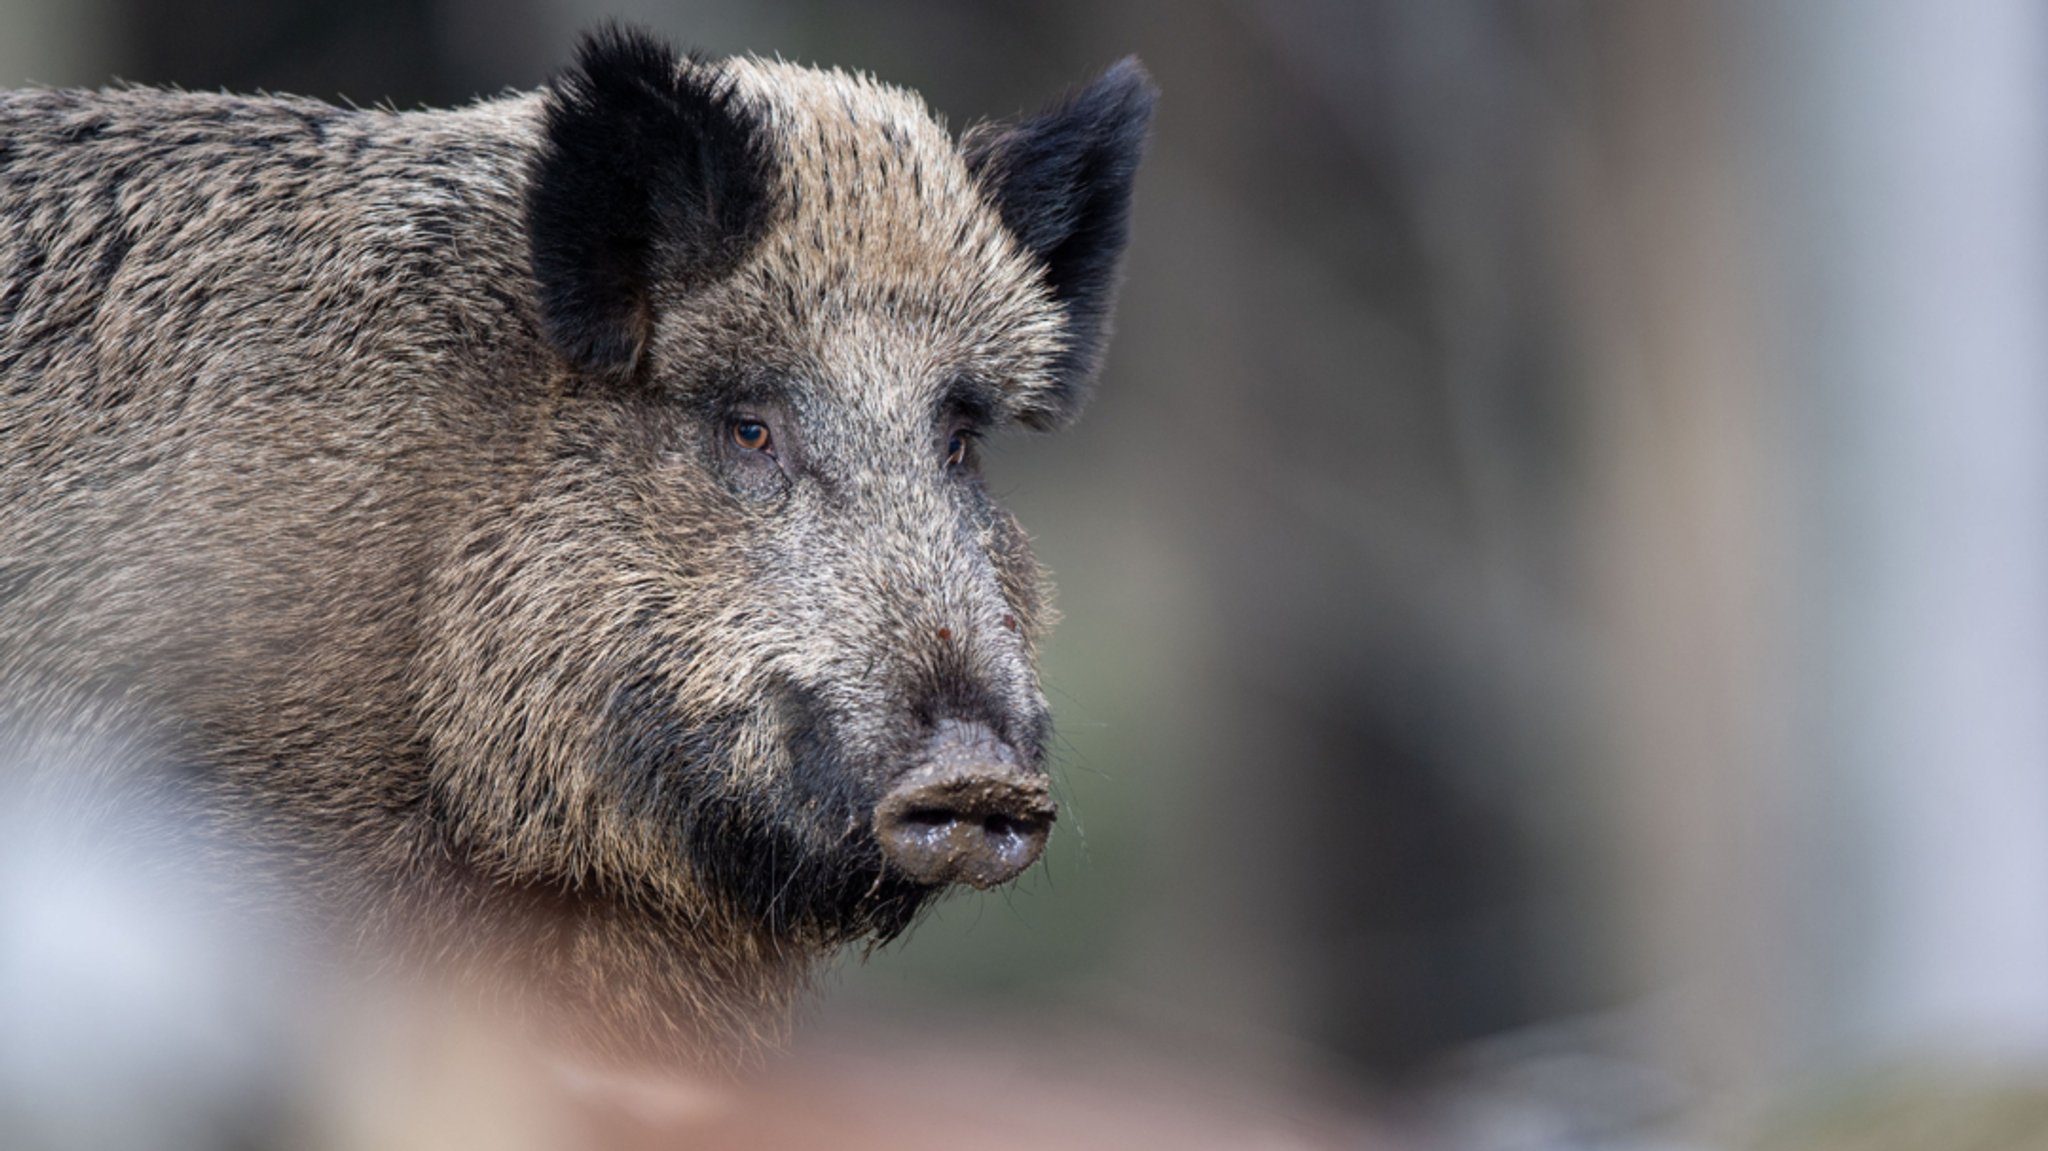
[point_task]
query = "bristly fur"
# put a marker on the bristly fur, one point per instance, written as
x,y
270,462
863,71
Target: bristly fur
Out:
x,y
321,476
1062,181
650,172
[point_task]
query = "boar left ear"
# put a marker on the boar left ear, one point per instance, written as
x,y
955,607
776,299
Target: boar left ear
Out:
x,y
651,172
1062,182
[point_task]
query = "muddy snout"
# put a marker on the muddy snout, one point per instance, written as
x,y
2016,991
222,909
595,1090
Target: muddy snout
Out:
x,y
969,813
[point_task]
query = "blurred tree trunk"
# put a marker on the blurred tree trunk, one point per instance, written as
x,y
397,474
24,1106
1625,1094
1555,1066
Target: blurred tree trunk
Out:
x,y
1909,144
1687,559
1813,273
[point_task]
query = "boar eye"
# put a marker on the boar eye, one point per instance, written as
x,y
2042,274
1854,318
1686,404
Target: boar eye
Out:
x,y
751,435
956,448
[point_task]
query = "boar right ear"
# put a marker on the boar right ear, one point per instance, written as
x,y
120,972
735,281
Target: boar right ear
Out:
x,y
651,172
1062,182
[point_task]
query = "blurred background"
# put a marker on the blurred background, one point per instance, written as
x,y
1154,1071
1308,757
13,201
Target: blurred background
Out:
x,y
1556,575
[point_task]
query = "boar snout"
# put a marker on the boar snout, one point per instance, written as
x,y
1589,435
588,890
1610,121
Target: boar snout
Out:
x,y
970,812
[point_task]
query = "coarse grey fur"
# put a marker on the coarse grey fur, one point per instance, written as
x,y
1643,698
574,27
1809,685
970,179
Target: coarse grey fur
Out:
x,y
504,657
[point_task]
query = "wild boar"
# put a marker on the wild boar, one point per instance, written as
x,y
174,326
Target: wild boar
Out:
x,y
549,531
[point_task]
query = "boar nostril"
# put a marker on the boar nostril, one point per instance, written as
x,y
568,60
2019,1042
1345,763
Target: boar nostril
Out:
x,y
970,813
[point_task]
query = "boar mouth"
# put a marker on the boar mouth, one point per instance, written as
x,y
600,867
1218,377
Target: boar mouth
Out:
x,y
832,849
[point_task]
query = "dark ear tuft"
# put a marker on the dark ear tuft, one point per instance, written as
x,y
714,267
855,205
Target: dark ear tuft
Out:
x,y
651,171
1062,181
